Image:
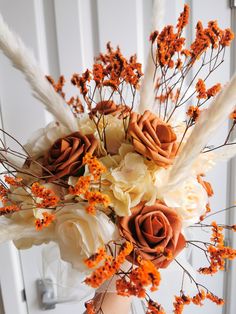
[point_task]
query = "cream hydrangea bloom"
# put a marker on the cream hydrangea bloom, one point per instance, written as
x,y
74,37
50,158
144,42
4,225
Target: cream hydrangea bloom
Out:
x,y
129,181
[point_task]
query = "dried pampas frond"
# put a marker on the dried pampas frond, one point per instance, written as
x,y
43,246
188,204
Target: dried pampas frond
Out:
x,y
147,89
23,59
207,124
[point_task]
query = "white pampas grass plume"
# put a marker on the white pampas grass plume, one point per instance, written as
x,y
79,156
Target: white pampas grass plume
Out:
x,y
23,59
147,89
208,123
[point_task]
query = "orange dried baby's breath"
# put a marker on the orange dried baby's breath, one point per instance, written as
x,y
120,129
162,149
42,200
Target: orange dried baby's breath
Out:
x,y
110,267
227,37
193,112
58,87
96,197
47,196
95,167
139,279
201,89
180,302
153,36
199,298
183,19
96,258
214,90
81,186
215,299
47,219
154,308
13,181
3,193
90,307
9,209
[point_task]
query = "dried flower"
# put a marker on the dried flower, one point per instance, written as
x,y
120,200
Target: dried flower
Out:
x,y
9,209
13,181
211,92
201,89
193,112
46,198
110,267
227,37
183,19
96,168
45,221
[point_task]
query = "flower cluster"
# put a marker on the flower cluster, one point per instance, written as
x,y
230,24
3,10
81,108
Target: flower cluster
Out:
x,y
145,275
183,300
120,184
45,221
218,252
110,267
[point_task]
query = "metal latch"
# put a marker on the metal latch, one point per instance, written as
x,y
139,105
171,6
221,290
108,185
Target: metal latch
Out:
x,y
233,4
46,294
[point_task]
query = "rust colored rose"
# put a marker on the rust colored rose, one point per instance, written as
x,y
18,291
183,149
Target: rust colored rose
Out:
x,y
151,229
152,138
65,157
106,107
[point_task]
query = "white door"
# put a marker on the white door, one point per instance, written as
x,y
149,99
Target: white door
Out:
x,y
65,36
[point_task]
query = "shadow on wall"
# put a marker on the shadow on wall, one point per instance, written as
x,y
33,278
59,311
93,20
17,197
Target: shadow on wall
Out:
x,y
1,303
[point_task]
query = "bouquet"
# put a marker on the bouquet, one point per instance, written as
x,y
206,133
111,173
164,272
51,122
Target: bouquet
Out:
x,y
119,175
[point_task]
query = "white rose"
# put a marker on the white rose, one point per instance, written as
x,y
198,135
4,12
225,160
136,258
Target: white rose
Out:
x,y
27,235
79,234
40,142
189,199
21,229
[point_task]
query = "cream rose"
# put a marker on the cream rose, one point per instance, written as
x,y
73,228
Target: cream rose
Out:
x,y
189,199
79,234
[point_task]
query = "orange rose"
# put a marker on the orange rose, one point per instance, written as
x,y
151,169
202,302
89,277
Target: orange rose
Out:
x,y
65,157
106,107
153,229
152,138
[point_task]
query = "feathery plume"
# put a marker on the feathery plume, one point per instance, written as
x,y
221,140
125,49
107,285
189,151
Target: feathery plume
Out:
x,y
23,59
147,89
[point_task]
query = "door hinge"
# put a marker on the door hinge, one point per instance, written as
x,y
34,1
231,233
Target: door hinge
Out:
x,y
232,4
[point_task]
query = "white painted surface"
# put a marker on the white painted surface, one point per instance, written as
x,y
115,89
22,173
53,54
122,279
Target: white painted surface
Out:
x,y
65,36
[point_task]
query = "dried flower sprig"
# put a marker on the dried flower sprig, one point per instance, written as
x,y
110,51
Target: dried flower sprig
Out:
x,y
174,61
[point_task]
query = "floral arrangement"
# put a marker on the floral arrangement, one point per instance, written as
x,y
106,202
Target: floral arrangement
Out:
x,y
110,182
